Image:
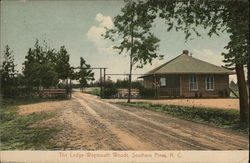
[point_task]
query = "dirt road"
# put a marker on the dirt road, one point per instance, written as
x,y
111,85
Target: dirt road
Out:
x,y
89,123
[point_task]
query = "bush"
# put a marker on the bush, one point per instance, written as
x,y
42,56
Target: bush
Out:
x,y
110,90
15,91
147,93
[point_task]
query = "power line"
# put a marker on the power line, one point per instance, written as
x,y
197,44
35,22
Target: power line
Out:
x,y
124,74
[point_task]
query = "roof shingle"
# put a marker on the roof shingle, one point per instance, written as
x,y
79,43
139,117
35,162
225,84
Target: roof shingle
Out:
x,y
184,64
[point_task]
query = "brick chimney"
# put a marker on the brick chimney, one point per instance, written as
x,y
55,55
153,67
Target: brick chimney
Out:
x,y
185,52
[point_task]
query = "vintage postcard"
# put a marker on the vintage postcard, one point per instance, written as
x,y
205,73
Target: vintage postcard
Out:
x,y
124,81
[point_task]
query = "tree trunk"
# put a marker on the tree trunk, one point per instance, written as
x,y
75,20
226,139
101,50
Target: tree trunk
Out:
x,y
248,64
243,97
70,88
67,88
131,56
130,79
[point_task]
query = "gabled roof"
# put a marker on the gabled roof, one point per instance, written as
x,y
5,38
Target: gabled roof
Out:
x,y
184,64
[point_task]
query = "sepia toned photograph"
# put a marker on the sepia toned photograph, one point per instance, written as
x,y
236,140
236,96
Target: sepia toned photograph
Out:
x,y
124,80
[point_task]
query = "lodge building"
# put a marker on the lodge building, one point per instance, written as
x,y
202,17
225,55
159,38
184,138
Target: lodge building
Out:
x,y
188,77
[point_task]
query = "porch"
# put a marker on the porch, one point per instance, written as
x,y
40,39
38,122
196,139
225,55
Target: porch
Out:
x,y
164,86
167,92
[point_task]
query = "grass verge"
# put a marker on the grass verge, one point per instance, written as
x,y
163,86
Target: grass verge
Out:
x,y
228,119
16,133
24,101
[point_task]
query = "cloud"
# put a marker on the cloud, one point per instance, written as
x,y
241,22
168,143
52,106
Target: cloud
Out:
x,y
94,34
105,21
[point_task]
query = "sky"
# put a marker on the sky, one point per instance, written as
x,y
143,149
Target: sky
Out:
x,y
78,26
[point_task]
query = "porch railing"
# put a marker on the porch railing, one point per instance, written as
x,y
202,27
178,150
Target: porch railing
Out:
x,y
171,92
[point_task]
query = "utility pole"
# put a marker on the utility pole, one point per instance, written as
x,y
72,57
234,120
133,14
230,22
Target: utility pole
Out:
x,y
101,92
104,81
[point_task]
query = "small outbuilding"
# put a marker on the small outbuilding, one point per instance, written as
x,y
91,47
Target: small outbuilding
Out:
x,y
186,76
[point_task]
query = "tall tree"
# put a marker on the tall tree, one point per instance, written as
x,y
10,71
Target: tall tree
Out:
x,y
85,74
7,71
231,16
39,68
62,66
134,37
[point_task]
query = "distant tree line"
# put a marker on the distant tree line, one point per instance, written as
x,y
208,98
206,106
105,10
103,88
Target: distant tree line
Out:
x,y
43,67
111,87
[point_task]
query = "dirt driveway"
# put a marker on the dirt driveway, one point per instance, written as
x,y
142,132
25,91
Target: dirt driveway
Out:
x,y
89,123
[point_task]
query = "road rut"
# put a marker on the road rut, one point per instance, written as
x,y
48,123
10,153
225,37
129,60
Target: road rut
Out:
x,y
90,123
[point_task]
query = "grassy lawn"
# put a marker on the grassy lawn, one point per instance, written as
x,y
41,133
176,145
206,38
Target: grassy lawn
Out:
x,y
15,130
221,118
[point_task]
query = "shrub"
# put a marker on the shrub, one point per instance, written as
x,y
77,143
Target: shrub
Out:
x,y
147,93
110,90
14,91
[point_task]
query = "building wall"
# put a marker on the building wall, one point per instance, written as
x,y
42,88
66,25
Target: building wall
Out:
x,y
221,87
148,82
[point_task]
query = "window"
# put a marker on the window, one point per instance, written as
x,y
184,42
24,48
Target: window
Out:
x,y
209,82
163,81
193,83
